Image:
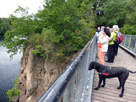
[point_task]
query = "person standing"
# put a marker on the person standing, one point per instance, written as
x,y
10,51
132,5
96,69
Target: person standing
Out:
x,y
111,48
103,40
98,30
117,45
97,33
99,44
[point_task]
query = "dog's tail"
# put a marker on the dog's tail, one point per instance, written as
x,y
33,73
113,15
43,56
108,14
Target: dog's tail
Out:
x,y
131,71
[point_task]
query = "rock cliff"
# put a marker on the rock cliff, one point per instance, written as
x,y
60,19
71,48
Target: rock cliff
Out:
x,y
36,75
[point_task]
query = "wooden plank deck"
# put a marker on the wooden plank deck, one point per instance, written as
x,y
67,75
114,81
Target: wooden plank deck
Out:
x,y
110,93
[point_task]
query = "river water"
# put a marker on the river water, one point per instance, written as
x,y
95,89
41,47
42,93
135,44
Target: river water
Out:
x,y
9,69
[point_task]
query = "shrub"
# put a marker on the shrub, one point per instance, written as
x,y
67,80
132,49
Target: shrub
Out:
x,y
127,29
33,40
39,51
13,92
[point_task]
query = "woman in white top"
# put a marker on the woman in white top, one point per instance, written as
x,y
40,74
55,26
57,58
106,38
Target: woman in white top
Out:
x,y
104,43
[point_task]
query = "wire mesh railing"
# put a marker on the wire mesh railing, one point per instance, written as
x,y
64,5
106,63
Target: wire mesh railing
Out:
x,y
129,43
71,84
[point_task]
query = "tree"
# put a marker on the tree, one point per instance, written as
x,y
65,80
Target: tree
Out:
x,y
71,22
120,12
130,24
67,20
5,24
114,11
23,28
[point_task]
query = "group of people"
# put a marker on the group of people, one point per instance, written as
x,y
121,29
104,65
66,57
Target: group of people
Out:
x,y
105,42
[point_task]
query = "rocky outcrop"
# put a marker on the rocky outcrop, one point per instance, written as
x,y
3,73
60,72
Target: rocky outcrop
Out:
x,y
36,75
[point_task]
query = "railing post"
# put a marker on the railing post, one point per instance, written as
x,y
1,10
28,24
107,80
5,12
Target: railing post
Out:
x,y
129,42
135,46
125,40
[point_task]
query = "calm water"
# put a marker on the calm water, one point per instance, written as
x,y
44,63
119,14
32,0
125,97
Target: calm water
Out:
x,y
9,69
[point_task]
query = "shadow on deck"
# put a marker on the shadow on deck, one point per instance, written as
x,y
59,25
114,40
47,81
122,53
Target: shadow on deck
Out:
x,y
110,93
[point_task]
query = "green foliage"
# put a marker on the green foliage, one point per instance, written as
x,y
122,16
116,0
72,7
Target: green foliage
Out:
x,y
39,51
120,12
71,21
65,27
13,92
59,29
129,29
33,40
87,21
5,25
114,10
23,28
49,36
49,40
130,24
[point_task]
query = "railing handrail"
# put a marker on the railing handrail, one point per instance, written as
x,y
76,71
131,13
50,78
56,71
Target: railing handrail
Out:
x,y
54,93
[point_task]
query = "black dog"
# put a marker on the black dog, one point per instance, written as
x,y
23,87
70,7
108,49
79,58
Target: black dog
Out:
x,y
110,72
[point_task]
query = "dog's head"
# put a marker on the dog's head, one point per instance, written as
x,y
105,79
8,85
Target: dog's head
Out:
x,y
92,65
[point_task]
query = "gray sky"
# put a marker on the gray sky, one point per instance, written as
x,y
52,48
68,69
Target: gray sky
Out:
x,y
8,7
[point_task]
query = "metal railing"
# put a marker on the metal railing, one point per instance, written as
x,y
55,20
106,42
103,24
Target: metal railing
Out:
x,y
129,43
72,84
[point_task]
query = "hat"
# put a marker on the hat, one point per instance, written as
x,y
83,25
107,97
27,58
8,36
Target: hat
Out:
x,y
115,27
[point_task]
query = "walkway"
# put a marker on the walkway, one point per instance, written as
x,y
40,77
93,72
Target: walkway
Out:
x,y
110,93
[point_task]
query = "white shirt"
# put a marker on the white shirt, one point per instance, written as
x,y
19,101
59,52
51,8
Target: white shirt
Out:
x,y
104,42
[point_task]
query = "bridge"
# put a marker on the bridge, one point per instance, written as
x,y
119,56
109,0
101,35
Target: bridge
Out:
x,y
76,83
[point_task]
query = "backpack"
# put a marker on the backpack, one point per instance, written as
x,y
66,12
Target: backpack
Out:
x,y
119,38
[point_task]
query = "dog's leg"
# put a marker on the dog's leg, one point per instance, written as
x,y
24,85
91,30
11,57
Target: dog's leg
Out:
x,y
122,85
122,91
123,80
99,84
103,81
119,82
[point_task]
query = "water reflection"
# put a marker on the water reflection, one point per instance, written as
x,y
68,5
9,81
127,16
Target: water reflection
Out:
x,y
9,69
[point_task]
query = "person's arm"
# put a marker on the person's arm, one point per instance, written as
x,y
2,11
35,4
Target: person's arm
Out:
x,y
103,40
111,37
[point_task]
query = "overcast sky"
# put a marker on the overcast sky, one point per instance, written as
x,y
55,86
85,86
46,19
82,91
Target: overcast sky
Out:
x,y
8,7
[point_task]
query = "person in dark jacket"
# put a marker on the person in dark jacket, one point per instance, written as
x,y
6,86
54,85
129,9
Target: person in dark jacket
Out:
x,y
98,30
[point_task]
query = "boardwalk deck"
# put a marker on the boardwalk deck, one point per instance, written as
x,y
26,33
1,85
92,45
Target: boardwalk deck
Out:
x,y
110,93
